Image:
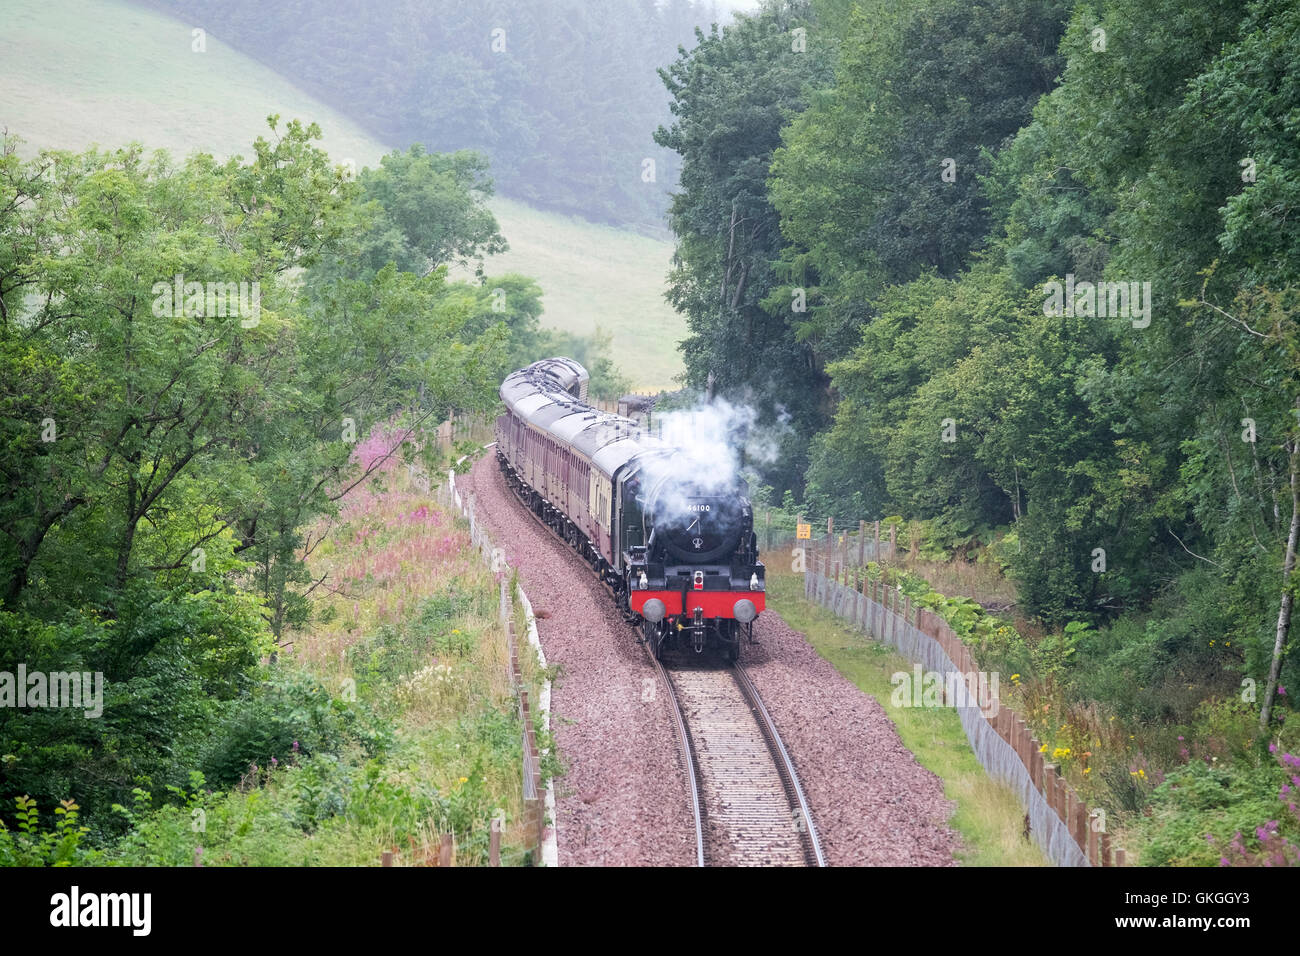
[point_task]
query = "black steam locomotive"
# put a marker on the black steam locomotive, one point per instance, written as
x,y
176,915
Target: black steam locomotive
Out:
x,y
674,543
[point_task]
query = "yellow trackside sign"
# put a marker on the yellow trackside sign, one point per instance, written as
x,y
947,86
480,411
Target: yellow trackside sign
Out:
x,y
803,531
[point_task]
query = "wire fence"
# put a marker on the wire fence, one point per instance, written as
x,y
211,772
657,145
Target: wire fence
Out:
x,y
1058,821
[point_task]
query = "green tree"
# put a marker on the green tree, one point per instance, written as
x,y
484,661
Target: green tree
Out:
x,y
731,96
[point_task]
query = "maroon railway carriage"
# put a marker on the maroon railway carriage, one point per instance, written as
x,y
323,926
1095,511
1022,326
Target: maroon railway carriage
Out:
x,y
675,546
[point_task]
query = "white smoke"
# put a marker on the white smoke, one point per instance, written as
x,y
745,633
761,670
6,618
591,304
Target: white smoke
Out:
x,y
712,442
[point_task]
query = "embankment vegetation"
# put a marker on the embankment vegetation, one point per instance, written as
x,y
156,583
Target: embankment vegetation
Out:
x,y
1024,274
196,356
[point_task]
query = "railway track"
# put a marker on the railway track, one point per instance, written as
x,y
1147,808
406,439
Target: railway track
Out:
x,y
748,805
746,801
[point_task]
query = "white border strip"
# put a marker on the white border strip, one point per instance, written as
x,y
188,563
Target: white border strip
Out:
x,y
550,840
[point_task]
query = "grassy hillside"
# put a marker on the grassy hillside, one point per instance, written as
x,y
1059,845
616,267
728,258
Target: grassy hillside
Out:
x,y
109,73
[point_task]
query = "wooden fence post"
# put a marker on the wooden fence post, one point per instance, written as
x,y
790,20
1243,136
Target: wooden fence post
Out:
x,y
444,852
862,543
1081,825
387,858
885,616
494,845
897,600
893,616
873,614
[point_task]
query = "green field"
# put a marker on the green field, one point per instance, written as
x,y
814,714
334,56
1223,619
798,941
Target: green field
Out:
x,y
77,73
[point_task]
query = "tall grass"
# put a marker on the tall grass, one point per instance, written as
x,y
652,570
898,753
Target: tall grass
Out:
x,y
399,692
409,618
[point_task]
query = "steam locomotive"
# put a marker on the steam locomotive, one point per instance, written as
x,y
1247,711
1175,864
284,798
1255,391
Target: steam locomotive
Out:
x,y
673,542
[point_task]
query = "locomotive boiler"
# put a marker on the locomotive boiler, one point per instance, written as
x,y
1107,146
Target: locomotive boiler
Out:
x,y
671,536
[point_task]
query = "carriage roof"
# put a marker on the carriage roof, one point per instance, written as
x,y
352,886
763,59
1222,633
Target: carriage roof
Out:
x,y
550,395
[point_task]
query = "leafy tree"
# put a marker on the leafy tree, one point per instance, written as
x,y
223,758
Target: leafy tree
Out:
x,y
879,179
561,95
731,96
178,406
418,211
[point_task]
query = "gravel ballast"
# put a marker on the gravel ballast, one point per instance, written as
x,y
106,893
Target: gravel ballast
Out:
x,y
872,803
623,800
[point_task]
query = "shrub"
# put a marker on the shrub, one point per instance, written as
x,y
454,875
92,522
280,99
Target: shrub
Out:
x,y
1202,808
30,845
289,707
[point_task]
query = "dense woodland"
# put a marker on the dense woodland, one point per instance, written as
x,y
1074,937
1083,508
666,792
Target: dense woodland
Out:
x,y
165,461
1166,157
876,200
564,100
